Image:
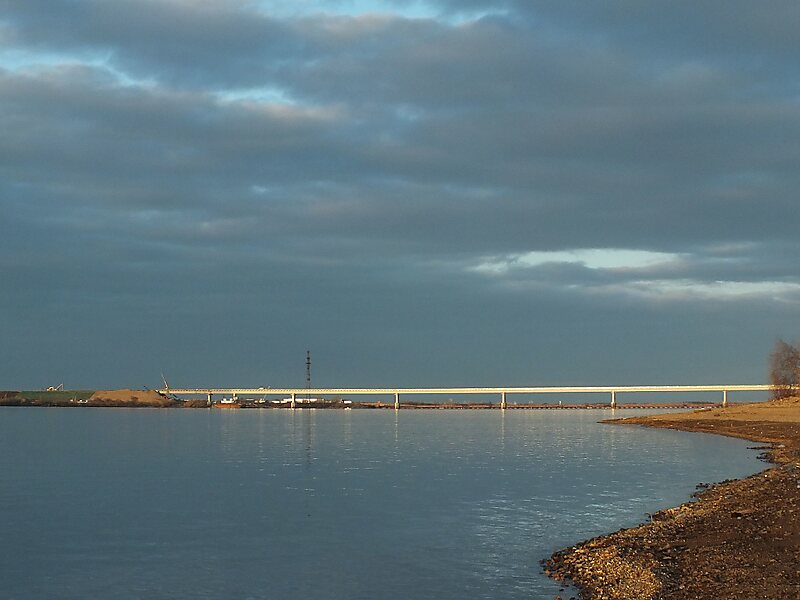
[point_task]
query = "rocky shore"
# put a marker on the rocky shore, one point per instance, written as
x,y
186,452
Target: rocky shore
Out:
x,y
738,539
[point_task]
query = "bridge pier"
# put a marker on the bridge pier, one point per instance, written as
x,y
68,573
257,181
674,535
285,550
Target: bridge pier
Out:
x,y
613,398
397,400
210,400
294,400
724,398
503,401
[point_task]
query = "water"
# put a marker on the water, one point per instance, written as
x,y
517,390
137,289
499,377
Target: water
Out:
x,y
117,503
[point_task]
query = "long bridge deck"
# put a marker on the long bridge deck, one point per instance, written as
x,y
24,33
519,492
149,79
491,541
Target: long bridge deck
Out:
x,y
502,392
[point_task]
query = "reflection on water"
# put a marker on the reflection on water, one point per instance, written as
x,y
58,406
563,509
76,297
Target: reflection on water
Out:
x,y
325,504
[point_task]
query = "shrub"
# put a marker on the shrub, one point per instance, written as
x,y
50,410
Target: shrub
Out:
x,y
784,369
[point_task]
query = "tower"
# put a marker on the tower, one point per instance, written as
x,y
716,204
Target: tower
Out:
x,y
308,370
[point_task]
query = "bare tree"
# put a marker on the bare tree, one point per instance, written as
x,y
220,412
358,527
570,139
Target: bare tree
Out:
x,y
784,369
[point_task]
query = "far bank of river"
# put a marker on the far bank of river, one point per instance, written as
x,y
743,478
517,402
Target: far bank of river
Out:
x,y
129,398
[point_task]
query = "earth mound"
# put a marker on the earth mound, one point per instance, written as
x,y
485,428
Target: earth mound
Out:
x,y
130,398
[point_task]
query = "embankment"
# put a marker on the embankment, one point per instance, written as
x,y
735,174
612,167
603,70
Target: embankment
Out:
x,y
739,539
115,398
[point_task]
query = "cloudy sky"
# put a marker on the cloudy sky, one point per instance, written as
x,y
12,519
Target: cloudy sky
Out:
x,y
442,192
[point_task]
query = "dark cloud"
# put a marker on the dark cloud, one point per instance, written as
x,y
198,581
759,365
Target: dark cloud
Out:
x,y
732,31
221,188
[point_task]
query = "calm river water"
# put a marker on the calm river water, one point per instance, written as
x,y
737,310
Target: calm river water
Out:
x,y
312,504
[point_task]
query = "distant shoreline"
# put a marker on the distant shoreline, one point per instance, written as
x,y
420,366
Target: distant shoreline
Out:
x,y
741,538
152,399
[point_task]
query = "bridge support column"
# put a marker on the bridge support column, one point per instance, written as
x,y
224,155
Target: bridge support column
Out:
x,y
294,400
210,401
503,401
724,398
397,400
613,398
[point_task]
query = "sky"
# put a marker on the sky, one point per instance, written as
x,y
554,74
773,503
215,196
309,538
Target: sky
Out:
x,y
420,193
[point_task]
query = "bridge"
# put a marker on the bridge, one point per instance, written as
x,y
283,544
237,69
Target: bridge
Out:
x,y
502,392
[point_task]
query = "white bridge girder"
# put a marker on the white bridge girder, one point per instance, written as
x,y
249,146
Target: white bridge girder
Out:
x,y
503,392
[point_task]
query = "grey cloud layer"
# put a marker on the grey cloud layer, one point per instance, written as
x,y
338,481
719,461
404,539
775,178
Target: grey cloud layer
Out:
x,y
198,142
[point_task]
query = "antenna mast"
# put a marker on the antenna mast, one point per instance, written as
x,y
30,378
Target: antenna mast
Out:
x,y
308,369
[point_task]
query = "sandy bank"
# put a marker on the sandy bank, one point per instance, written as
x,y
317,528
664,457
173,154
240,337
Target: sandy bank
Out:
x,y
740,539
146,398
103,398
